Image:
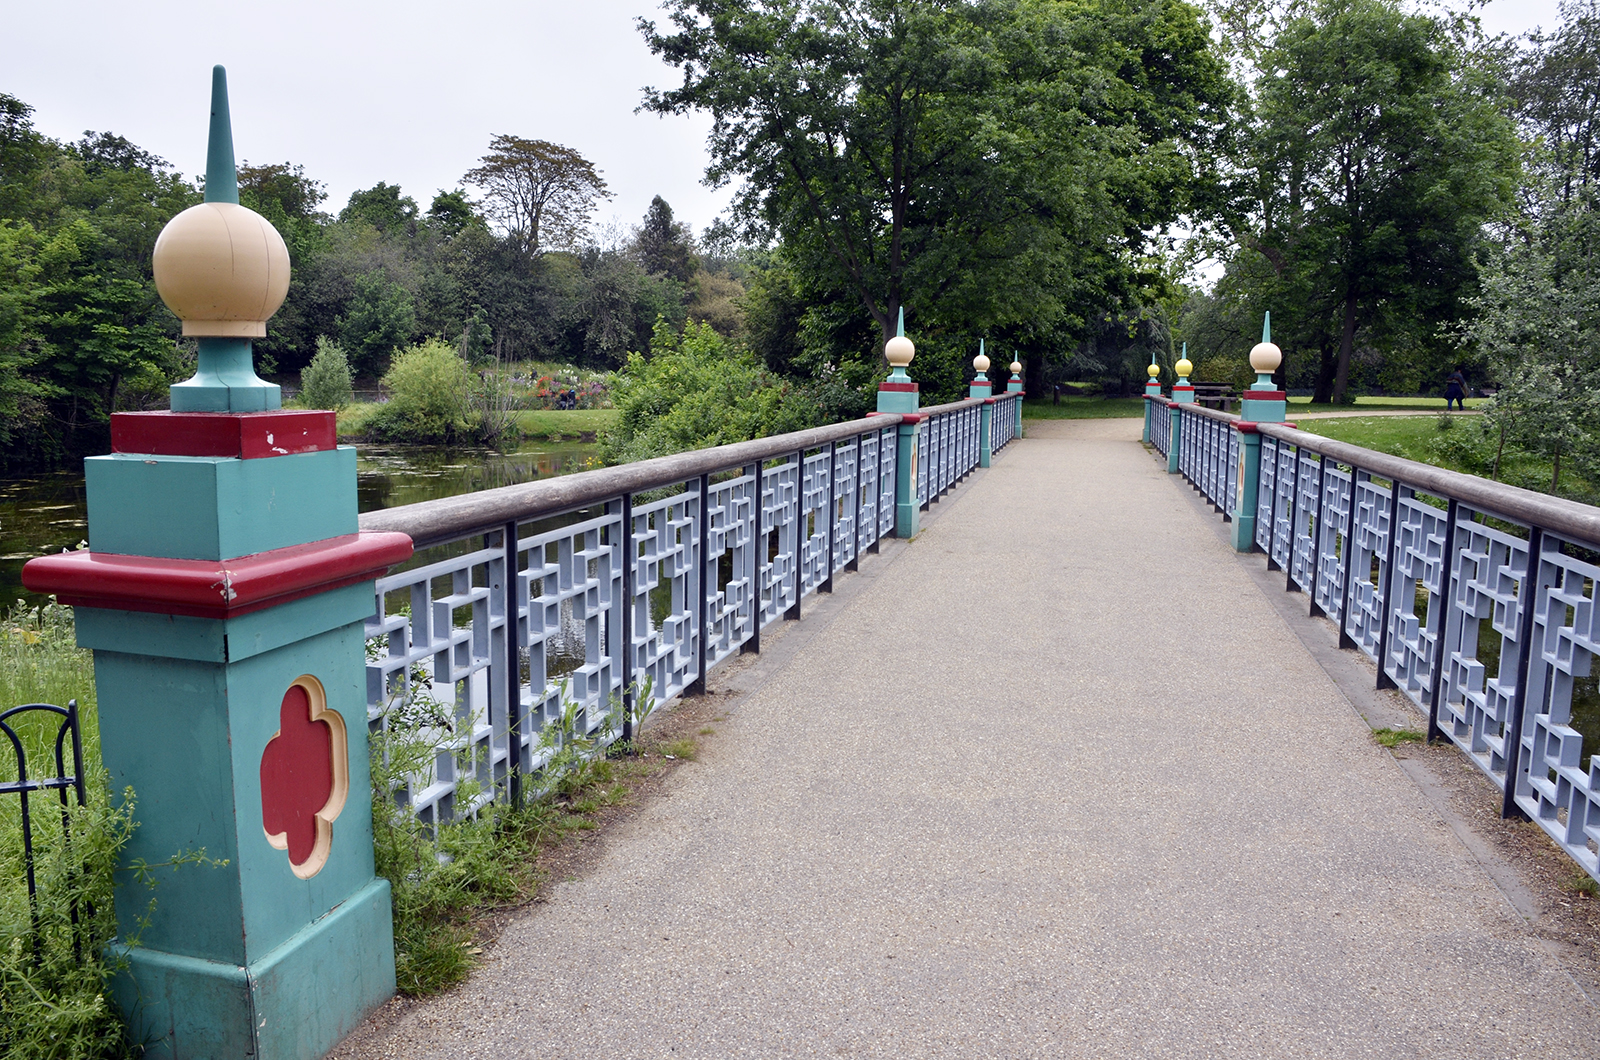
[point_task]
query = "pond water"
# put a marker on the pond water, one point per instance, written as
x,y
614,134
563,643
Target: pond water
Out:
x,y
46,513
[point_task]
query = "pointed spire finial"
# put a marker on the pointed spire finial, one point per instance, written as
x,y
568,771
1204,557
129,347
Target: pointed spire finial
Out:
x,y
1265,357
900,329
222,179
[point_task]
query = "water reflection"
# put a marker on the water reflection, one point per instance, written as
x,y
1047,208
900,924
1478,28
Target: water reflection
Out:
x,y
47,513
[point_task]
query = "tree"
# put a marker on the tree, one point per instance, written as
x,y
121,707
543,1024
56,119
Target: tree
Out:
x,y
429,396
541,193
698,390
1538,322
1378,148
325,383
451,212
1557,88
992,165
665,245
383,207
381,317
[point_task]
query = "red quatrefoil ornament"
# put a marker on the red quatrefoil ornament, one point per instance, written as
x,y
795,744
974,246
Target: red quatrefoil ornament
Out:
x,y
304,777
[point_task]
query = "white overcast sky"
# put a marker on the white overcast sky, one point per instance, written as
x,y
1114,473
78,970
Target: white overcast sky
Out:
x,y
402,91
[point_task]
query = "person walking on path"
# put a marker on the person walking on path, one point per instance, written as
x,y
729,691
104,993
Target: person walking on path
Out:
x,y
1455,389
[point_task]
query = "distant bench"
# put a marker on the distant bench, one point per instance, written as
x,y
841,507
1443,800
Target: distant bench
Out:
x,y
1219,396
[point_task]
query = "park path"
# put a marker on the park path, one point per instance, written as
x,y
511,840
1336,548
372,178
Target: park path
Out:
x,y
1054,780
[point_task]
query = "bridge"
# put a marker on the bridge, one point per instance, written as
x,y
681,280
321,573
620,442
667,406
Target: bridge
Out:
x,y
1026,751
1064,776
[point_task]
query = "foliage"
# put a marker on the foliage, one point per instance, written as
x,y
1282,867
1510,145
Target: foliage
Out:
x,y
696,390
56,1005
1538,323
541,193
1471,446
325,383
1376,148
381,317
444,876
994,168
429,389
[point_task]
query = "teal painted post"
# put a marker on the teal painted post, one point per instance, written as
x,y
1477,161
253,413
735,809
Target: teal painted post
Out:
x,y
1152,394
224,593
1263,402
981,387
1182,394
898,394
1014,386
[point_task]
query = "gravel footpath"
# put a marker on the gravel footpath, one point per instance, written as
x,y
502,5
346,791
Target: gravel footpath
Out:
x,y
1055,781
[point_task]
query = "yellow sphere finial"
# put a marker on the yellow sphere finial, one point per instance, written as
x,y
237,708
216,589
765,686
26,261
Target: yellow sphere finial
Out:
x,y
1153,370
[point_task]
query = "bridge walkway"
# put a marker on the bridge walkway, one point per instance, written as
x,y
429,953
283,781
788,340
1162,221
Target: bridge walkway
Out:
x,y
1055,780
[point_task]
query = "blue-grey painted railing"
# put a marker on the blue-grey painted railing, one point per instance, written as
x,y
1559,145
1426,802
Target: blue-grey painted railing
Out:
x,y
1160,425
1007,420
1209,454
1476,601
947,447
624,579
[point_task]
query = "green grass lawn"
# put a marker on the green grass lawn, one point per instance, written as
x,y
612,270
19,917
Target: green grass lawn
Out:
x,y
1082,408
1466,445
570,424
1388,404
549,424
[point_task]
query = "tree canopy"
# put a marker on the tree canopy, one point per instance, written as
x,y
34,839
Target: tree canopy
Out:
x,y
1375,147
990,166
541,193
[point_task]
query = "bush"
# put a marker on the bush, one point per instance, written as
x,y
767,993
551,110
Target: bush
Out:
x,y
698,390
325,382
430,389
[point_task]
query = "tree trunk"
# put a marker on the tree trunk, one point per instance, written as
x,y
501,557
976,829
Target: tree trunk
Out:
x,y
1555,470
1325,372
1499,452
1347,341
1033,375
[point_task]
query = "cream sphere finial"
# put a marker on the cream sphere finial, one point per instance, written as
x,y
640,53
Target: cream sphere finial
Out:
x,y
898,351
981,362
1265,355
222,269
1016,367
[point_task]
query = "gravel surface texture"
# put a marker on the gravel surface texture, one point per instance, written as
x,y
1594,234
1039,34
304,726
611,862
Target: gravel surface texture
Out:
x,y
1057,780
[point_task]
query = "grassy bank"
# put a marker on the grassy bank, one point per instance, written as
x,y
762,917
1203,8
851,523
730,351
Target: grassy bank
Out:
x,y
573,425
1082,408
1387,404
1458,443
52,993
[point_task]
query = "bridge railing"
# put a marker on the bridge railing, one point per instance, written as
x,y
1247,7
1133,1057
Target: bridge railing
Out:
x,y
1007,420
1476,600
550,610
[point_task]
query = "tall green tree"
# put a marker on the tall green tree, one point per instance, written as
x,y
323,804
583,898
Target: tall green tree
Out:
x,y
541,193
988,165
1378,148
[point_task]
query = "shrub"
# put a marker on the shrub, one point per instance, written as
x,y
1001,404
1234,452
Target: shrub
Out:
x,y
325,383
430,391
698,390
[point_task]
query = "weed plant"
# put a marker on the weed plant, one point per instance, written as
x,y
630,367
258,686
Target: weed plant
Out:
x,y
444,877
53,1002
